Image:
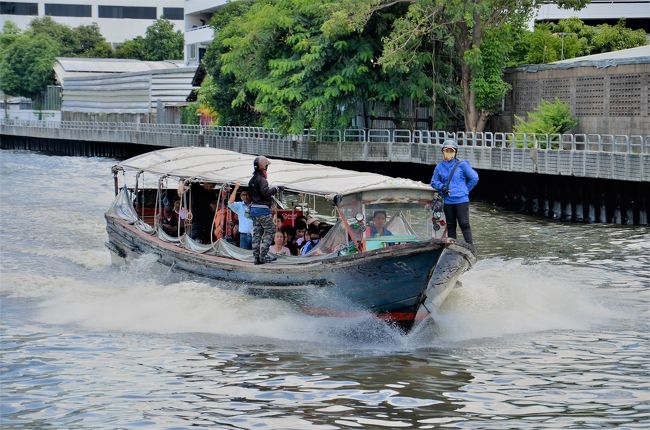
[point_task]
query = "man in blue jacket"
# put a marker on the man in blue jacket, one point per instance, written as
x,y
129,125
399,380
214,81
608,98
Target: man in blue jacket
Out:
x,y
455,190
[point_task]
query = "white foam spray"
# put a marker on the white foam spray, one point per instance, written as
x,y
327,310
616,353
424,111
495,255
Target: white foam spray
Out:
x,y
498,298
506,297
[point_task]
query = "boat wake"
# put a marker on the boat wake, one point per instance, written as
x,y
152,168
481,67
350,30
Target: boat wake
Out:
x,y
497,298
501,298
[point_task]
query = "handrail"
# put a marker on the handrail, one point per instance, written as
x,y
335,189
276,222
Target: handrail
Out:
x,y
630,144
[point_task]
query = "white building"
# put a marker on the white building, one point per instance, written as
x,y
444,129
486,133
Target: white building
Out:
x,y
198,33
635,12
118,20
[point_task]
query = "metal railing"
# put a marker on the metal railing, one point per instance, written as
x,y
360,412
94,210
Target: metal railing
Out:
x,y
632,144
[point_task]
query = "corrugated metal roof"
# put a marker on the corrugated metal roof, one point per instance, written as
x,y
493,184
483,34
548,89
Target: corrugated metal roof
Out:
x,y
638,55
66,68
113,65
638,52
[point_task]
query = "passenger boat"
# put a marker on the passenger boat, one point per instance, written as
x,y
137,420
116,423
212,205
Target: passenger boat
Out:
x,y
398,276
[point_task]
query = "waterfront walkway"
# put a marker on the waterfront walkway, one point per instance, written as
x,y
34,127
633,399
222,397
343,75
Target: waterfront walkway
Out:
x,y
617,157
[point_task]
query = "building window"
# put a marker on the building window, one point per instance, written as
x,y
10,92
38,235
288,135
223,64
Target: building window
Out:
x,y
131,12
175,13
191,51
57,9
15,8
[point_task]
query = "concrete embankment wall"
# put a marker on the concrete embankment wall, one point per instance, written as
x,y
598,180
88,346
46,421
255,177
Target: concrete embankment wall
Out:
x,y
81,148
557,197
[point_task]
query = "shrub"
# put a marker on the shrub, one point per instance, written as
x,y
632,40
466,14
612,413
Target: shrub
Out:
x,y
549,118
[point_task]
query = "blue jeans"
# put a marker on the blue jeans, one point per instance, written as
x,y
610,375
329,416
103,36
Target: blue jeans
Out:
x,y
246,240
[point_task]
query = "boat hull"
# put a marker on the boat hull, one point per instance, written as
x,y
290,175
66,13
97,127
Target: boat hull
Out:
x,y
389,282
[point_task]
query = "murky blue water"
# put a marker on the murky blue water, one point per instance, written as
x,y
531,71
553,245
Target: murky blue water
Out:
x,y
551,329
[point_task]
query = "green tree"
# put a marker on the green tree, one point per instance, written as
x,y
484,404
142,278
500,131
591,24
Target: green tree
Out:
x,y
571,38
278,60
162,42
228,87
463,23
613,38
61,34
91,42
26,65
10,32
134,49
82,41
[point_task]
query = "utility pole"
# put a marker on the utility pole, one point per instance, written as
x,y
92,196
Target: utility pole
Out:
x,y
562,34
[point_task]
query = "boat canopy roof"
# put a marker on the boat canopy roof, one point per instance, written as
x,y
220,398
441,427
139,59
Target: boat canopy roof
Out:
x,y
225,167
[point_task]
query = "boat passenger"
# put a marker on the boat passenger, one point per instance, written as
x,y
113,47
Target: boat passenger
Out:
x,y
378,225
222,218
278,247
279,221
314,238
455,179
170,218
202,195
241,208
290,239
301,230
260,210
301,218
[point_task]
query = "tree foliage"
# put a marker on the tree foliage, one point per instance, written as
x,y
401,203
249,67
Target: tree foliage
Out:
x,y
82,41
278,62
465,24
571,38
133,49
26,65
10,32
162,42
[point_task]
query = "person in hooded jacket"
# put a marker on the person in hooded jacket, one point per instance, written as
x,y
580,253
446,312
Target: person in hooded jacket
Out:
x,y
260,210
455,191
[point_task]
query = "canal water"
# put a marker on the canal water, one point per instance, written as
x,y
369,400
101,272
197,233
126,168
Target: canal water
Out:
x,y
551,329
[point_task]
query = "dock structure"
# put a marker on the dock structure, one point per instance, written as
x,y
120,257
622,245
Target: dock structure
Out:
x,y
602,156
574,177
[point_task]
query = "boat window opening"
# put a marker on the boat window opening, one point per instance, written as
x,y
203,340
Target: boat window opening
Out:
x,y
403,222
144,202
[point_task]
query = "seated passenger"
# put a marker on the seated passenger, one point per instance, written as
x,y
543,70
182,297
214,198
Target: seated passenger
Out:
x,y
279,220
278,247
170,218
378,222
314,238
290,239
301,218
301,229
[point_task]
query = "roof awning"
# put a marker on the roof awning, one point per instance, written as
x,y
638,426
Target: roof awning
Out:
x,y
226,167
